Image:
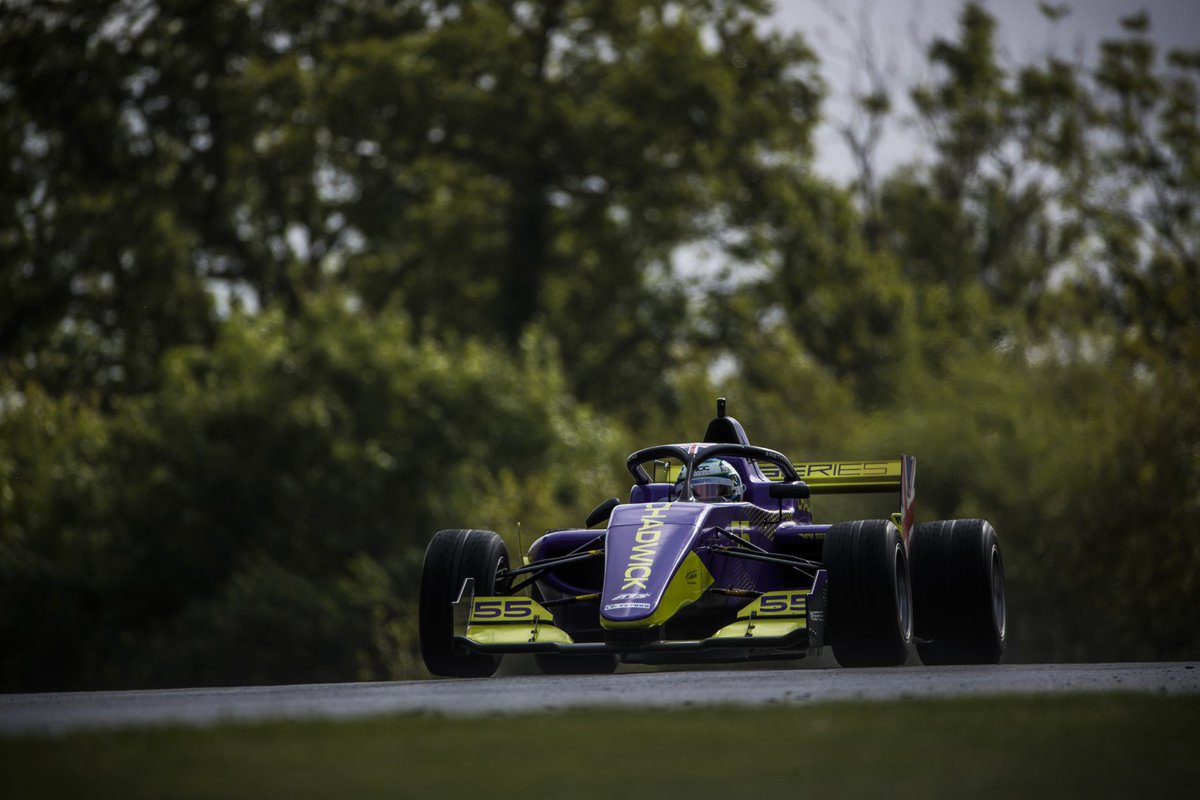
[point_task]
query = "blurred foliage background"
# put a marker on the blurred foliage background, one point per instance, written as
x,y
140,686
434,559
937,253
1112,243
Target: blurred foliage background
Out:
x,y
285,287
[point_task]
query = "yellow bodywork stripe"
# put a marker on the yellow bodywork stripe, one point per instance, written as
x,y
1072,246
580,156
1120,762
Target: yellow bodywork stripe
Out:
x,y
686,586
773,614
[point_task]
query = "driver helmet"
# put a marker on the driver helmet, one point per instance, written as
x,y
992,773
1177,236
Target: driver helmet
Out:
x,y
716,481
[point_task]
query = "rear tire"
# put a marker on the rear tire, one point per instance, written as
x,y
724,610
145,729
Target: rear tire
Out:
x,y
870,601
958,592
451,558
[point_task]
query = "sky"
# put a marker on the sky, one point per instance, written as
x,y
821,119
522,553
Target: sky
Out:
x,y
899,31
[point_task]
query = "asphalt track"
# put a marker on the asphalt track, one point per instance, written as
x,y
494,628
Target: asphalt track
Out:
x,y
64,712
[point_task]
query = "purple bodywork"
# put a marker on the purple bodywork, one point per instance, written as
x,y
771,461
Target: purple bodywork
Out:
x,y
649,538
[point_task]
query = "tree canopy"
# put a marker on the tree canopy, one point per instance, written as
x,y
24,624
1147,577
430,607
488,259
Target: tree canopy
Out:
x,y
285,287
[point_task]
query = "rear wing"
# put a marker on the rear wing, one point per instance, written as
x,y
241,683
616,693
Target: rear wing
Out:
x,y
859,477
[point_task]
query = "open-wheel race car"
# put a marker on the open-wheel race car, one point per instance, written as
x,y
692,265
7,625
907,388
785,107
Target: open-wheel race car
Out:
x,y
716,557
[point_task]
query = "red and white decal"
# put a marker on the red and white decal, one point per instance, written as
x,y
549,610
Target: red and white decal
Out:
x,y
908,494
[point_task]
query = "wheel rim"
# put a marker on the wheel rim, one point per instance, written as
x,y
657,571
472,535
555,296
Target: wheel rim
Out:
x,y
501,566
903,611
999,609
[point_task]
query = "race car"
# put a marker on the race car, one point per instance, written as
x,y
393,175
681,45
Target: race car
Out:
x,y
716,557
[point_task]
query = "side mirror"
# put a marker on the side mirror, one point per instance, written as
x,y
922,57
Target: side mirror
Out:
x,y
602,512
788,491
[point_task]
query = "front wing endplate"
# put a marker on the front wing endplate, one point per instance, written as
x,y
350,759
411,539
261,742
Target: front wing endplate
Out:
x,y
503,620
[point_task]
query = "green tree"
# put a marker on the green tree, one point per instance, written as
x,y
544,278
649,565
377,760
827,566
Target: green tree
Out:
x,y
980,230
483,166
548,159
261,516
285,287
1142,278
96,275
821,287
1051,245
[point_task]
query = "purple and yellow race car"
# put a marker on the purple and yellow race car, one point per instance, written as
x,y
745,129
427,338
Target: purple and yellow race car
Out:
x,y
716,557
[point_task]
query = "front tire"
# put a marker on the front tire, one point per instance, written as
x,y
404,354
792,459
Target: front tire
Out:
x,y
451,558
958,592
870,600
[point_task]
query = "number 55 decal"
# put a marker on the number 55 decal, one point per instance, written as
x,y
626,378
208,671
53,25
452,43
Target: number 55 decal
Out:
x,y
781,603
503,609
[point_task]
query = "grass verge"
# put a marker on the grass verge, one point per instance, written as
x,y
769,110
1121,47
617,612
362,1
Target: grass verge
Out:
x,y
1073,746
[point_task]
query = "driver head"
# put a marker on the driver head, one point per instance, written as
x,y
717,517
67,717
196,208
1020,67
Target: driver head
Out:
x,y
715,481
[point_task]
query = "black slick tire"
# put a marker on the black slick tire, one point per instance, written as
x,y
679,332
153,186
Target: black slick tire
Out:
x,y
870,600
960,614
451,558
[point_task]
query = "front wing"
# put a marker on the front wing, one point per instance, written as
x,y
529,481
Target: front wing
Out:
x,y
791,620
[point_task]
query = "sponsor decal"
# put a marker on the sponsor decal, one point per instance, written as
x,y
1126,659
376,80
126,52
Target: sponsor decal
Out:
x,y
646,543
780,603
614,606
844,469
515,608
832,470
632,596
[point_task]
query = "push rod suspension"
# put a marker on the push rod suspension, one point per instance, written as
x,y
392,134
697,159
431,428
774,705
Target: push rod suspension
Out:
x,y
536,571
579,598
800,565
746,545
550,563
